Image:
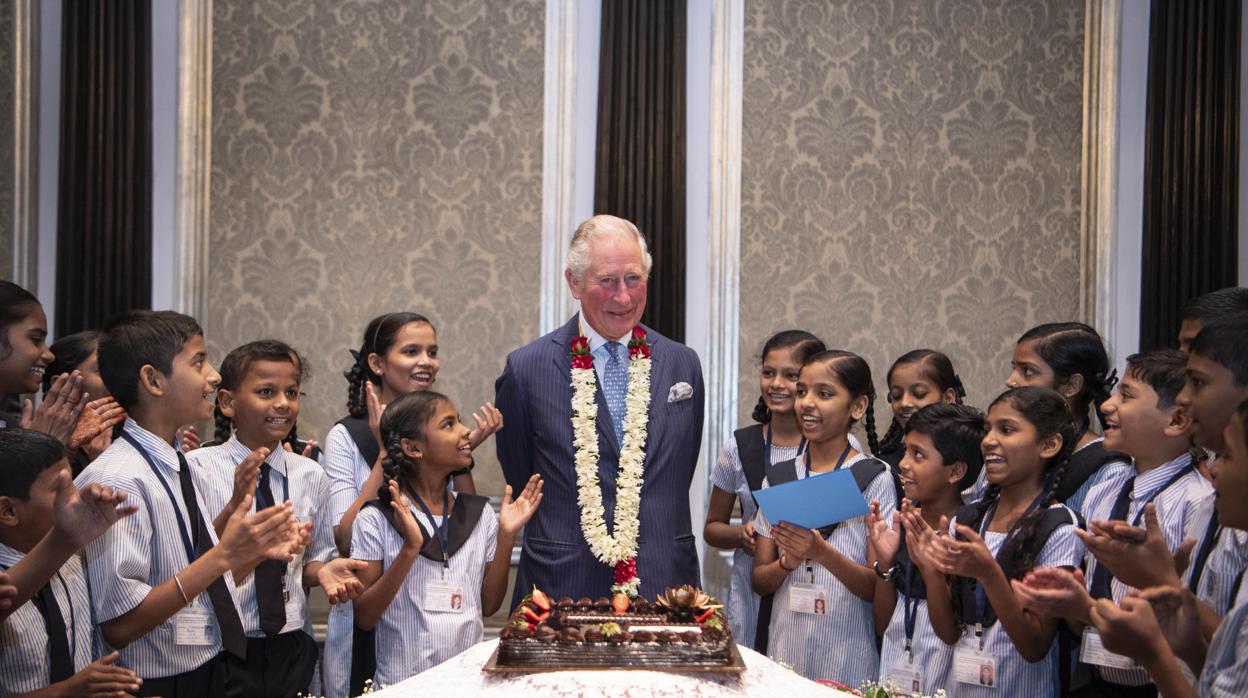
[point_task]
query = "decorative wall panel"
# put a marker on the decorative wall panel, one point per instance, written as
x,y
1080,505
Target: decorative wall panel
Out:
x,y
373,156
910,178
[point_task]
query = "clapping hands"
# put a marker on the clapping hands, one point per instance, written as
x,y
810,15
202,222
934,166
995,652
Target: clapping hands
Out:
x,y
513,515
82,515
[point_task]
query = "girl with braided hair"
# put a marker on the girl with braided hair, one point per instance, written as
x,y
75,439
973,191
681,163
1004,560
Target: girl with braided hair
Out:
x,y
397,356
436,560
1070,358
916,379
1016,527
804,566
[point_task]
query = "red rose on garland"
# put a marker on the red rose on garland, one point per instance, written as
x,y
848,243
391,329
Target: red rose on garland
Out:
x,y
581,358
638,346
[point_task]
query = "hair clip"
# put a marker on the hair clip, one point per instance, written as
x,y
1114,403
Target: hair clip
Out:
x,y
1111,380
958,389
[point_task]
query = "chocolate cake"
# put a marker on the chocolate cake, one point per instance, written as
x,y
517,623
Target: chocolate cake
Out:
x,y
683,629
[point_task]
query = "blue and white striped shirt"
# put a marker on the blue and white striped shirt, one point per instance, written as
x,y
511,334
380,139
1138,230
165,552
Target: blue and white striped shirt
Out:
x,y
411,639
1015,675
838,645
931,655
347,472
24,647
1226,665
308,488
1177,506
728,476
144,550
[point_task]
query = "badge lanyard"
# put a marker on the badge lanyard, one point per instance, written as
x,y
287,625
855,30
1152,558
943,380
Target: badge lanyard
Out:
x,y
191,553
442,529
810,568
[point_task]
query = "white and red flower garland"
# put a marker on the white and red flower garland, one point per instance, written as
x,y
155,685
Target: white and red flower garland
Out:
x,y
619,548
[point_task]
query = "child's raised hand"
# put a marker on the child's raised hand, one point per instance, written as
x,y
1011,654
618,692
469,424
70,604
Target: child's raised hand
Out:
x,y
965,558
246,475
188,438
82,515
1179,618
748,537
8,592
248,537
1138,556
413,539
94,431
308,447
1130,629
513,515
58,414
801,543
489,420
338,578
298,540
885,538
1055,592
102,678
375,408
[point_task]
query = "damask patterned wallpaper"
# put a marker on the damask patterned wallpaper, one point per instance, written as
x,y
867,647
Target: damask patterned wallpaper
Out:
x,y
372,156
910,178
6,138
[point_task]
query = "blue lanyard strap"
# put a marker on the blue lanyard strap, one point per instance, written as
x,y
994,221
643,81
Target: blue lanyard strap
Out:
x,y
910,606
839,461
191,553
442,531
1153,495
801,445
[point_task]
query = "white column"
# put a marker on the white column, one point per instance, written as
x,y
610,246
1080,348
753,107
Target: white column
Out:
x,y
570,122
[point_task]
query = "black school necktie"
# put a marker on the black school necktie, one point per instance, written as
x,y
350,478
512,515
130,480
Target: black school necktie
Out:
x,y
233,639
60,662
1101,578
269,574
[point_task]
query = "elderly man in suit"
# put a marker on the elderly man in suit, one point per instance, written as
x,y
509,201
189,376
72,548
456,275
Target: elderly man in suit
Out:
x,y
576,551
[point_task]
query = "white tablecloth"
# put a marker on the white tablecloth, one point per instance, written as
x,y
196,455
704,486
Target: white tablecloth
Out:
x,y
462,675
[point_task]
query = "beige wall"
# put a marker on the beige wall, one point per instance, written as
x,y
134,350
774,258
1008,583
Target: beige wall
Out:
x,y
374,157
6,138
910,178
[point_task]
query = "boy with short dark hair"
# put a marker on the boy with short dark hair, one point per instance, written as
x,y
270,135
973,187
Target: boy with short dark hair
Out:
x,y
45,645
1143,420
159,588
1212,306
942,457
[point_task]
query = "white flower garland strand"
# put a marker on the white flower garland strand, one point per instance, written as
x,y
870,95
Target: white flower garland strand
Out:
x,y
608,548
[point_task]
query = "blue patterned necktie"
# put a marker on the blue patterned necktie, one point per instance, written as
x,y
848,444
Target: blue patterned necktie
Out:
x,y
615,387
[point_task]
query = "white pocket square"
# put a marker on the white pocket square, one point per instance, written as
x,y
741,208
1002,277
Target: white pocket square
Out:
x,y
680,391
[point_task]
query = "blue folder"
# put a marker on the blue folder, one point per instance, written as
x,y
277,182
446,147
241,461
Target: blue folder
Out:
x,y
813,502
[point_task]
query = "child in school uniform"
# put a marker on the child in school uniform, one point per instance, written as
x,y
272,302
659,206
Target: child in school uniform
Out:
x,y
159,583
740,469
1155,628
942,458
437,560
1000,648
917,378
1070,358
801,566
398,355
1143,421
46,644
259,398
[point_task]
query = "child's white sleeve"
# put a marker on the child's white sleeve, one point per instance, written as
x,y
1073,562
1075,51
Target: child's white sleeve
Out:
x,y
490,521
367,541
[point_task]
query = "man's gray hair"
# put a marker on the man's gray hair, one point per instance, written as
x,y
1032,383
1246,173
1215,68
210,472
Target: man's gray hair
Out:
x,y
601,226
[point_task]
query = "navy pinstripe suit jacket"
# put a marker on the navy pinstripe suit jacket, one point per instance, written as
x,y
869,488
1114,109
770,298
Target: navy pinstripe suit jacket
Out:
x,y
535,396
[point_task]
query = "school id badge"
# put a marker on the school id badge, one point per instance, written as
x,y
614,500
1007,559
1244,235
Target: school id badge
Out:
x,y
444,597
194,627
906,676
972,666
808,598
